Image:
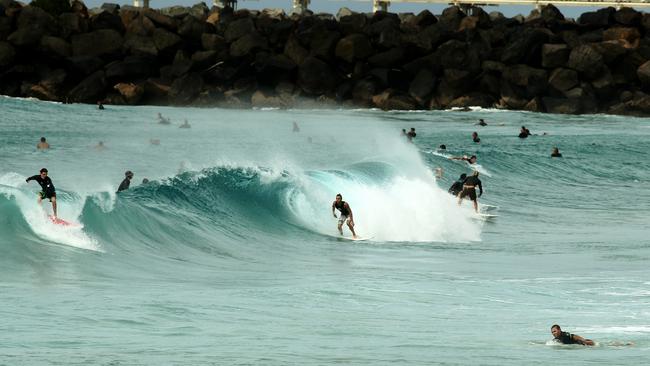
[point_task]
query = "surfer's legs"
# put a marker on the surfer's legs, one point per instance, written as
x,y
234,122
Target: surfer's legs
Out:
x,y
53,199
475,202
354,235
340,227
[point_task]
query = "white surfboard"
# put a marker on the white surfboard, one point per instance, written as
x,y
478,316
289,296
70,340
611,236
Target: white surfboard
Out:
x,y
485,217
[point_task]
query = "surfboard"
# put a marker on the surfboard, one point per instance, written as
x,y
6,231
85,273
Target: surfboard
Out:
x,y
60,221
485,207
358,238
486,217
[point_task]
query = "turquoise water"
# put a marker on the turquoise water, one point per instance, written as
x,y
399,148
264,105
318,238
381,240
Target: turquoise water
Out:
x,y
230,256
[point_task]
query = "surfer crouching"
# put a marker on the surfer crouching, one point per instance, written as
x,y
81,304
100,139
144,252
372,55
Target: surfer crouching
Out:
x,y
568,338
47,187
346,214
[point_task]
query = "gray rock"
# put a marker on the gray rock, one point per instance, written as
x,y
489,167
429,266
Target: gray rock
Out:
x,y
644,73
316,77
628,16
97,43
562,105
107,20
56,47
247,44
354,47
554,55
422,86
140,45
90,90
563,79
165,40
599,19
390,58
85,65
213,42
25,37
586,60
161,20
239,28
7,54
72,23
185,89
131,68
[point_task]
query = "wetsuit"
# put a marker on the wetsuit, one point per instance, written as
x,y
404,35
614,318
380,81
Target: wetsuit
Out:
x,y
456,187
566,338
124,185
554,155
46,186
410,135
345,213
469,188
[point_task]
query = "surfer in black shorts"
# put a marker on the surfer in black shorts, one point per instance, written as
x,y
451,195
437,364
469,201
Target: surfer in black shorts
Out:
x,y
568,338
346,214
47,187
469,190
458,185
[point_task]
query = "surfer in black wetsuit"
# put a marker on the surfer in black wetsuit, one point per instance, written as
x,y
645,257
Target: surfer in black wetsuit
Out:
x,y
346,214
555,153
524,132
470,160
475,137
126,182
568,338
47,187
458,185
469,189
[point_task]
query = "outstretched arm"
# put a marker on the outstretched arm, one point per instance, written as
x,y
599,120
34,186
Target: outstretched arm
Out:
x,y
31,178
584,342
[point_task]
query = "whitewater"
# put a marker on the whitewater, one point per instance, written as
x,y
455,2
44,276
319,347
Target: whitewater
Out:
x,y
229,254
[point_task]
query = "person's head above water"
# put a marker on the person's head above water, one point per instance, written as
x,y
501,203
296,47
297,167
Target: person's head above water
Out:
x,y
463,176
472,159
128,174
556,330
42,139
43,172
442,147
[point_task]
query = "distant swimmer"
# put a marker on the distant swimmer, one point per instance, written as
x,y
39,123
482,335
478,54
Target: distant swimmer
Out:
x,y
47,187
470,160
458,185
185,125
475,137
481,122
43,144
100,106
439,172
411,134
126,182
555,153
100,145
469,190
295,127
442,147
524,132
346,214
568,338
145,181
163,120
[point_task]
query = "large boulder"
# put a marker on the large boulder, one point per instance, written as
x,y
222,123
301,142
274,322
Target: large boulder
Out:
x,y
353,23
644,74
6,25
141,26
72,23
107,20
36,18
56,47
524,46
629,35
247,44
295,51
611,51
85,65
239,28
628,16
554,55
562,105
166,41
213,42
354,47
7,54
532,79
97,43
191,28
25,37
391,100
140,45
597,19
363,91
475,99
562,79
132,93
161,20
131,68
390,58
316,77
450,18
90,90
422,86
586,60
459,55
324,43
185,89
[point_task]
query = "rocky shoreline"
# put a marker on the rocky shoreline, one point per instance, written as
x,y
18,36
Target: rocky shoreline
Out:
x,y
220,57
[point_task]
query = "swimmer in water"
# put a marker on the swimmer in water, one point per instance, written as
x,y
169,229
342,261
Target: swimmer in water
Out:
x,y
568,338
471,160
555,153
475,137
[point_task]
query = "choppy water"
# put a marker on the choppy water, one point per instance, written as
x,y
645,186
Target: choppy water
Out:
x,y
229,255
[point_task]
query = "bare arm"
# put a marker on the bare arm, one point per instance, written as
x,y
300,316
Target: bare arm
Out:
x,y
333,213
584,342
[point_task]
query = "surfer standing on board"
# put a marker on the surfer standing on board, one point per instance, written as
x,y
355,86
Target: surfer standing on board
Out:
x,y
47,186
469,189
346,214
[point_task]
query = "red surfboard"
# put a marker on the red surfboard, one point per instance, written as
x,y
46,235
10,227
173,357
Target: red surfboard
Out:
x,y
59,221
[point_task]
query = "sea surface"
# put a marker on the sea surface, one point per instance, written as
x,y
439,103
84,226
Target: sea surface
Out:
x,y
230,254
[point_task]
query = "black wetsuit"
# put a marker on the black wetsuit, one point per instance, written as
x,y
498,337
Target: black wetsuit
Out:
x,y
410,135
476,139
47,187
554,155
456,187
342,208
566,338
124,185
469,188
